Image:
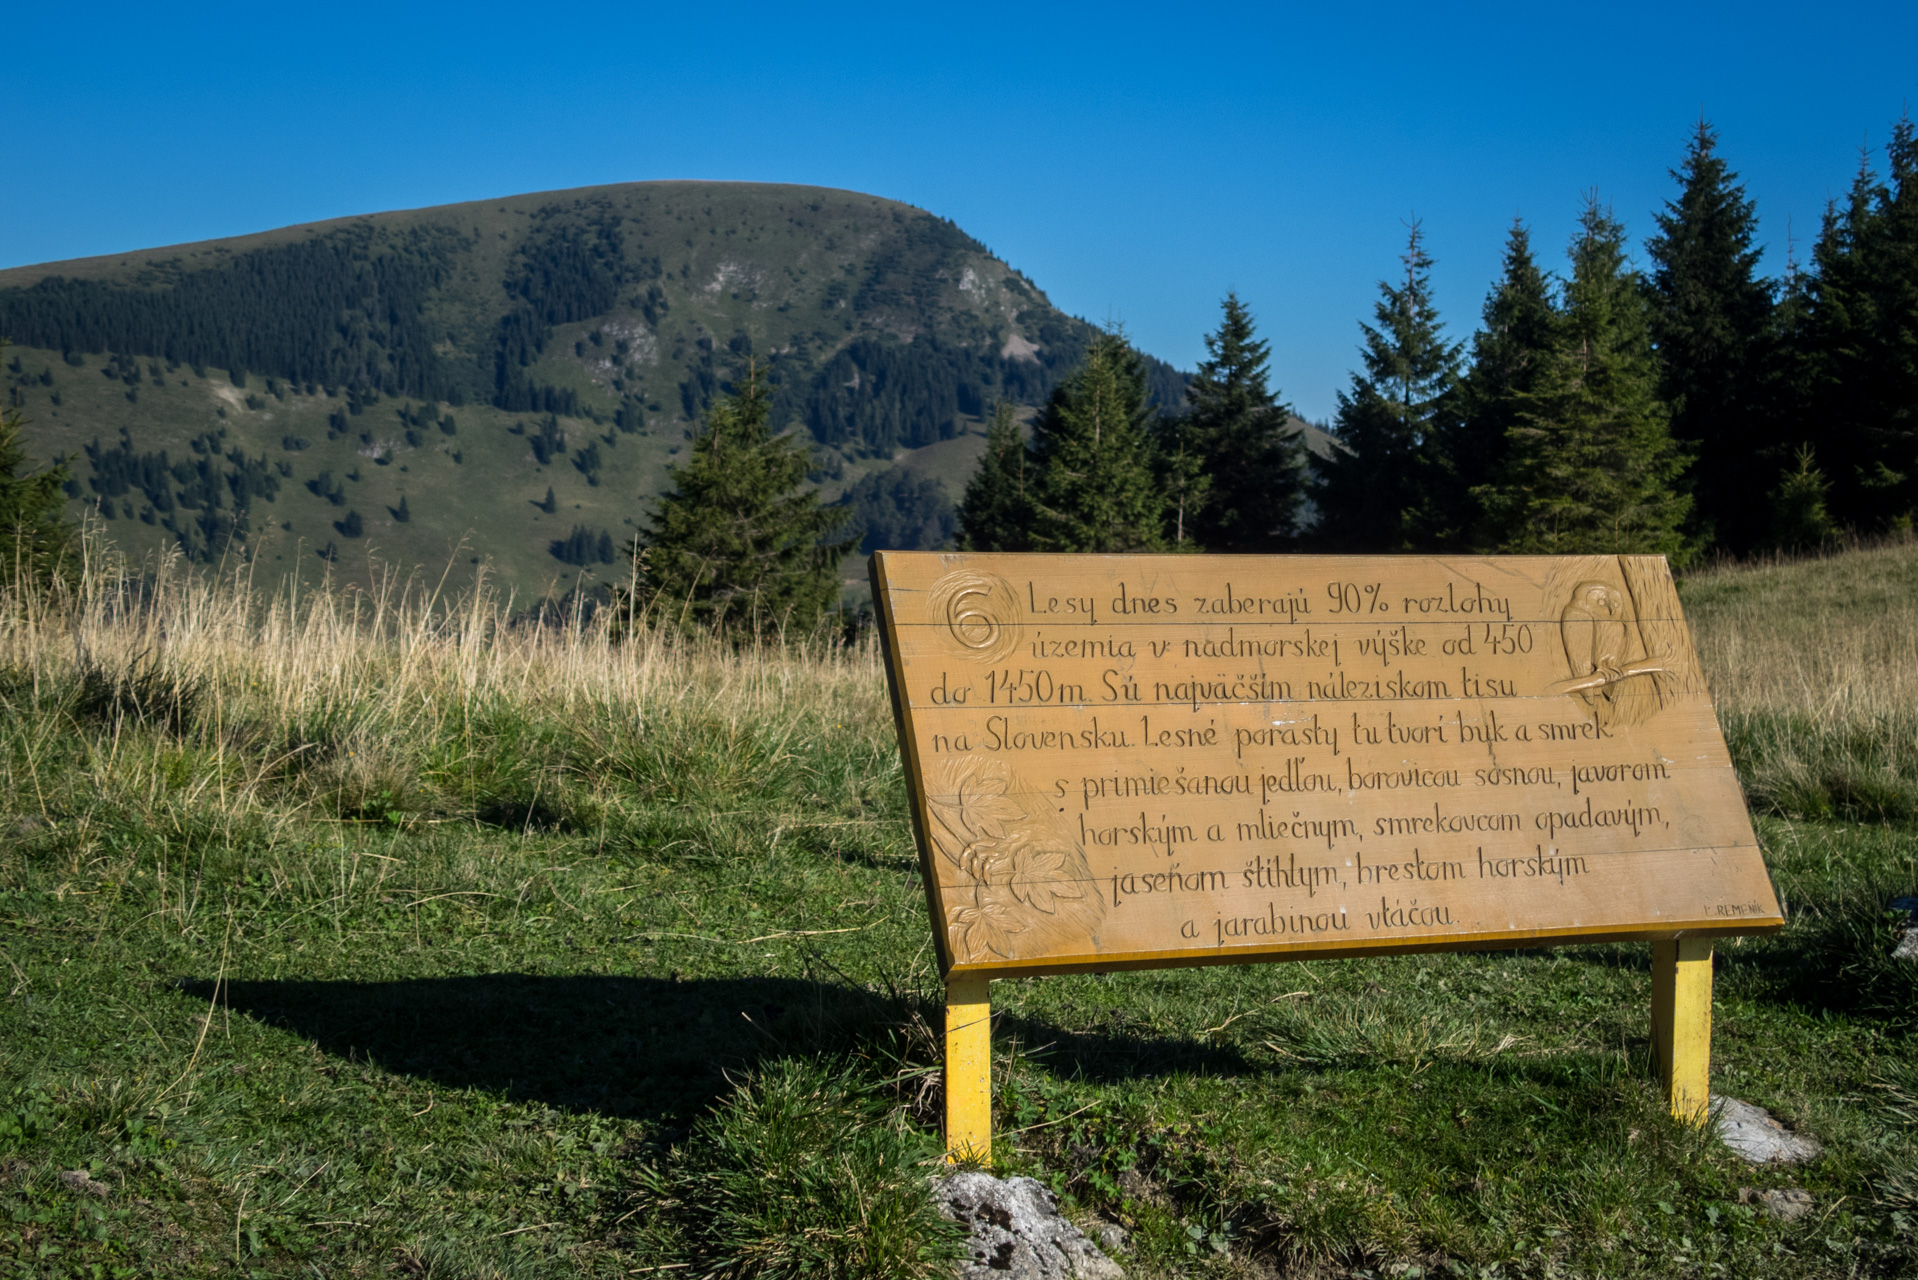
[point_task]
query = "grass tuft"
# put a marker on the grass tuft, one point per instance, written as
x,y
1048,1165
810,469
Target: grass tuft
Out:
x,y
142,691
800,1171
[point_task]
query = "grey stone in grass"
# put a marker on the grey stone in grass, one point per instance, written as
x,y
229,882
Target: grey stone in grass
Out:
x,y
1752,1133
1907,948
1016,1232
1787,1204
78,1181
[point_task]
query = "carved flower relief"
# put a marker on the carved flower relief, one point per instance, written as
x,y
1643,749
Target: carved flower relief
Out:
x,y
1025,881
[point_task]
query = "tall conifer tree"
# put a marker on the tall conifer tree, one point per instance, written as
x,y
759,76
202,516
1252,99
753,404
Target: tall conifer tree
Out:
x,y
1862,330
34,536
1182,478
1508,354
1235,431
1836,331
1786,377
1373,491
1591,465
1092,448
996,512
739,543
1710,322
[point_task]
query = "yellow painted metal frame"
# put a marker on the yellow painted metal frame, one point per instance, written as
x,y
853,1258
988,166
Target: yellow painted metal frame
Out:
x,y
969,1068
1681,1036
1682,1024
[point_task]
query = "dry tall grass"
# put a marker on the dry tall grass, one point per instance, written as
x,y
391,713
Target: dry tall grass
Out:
x,y
1813,665
362,694
1832,639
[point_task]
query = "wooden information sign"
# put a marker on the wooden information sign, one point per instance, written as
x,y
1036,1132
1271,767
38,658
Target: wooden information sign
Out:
x,y
1123,762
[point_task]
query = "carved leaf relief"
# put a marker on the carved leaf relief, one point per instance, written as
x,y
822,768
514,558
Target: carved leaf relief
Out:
x,y
1023,882
977,928
1042,876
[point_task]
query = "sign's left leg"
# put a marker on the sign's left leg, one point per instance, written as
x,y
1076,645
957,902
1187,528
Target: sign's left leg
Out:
x,y
968,1068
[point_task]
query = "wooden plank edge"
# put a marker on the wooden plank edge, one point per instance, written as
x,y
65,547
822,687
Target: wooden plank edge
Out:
x,y
1357,949
909,753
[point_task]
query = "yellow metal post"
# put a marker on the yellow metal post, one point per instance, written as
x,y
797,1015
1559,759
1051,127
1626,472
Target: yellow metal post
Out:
x,y
1682,1024
968,1068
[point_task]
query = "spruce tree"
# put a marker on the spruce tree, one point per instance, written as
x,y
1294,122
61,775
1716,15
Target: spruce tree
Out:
x,y
1094,488
1507,357
1800,520
996,513
1861,328
1836,331
1893,431
1252,468
1710,320
1591,466
34,538
1786,376
1373,493
1180,467
739,543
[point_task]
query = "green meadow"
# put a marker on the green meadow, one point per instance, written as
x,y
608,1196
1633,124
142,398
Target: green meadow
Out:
x,y
364,932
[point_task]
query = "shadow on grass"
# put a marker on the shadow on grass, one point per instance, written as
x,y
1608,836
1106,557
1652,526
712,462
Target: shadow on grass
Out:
x,y
1117,1055
655,1048
661,1049
651,1048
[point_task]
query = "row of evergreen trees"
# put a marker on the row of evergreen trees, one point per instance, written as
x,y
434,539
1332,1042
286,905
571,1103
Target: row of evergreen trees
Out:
x,y
1610,410
1695,405
1106,471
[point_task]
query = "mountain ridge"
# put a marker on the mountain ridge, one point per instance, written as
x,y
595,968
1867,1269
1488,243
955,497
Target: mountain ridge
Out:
x,y
593,324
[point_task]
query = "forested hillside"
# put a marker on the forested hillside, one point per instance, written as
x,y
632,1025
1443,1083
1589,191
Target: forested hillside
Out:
x,y
521,370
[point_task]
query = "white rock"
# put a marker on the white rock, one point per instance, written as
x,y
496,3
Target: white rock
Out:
x,y
1752,1133
1018,1233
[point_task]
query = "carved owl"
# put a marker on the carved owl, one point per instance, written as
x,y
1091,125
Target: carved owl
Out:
x,y
1594,632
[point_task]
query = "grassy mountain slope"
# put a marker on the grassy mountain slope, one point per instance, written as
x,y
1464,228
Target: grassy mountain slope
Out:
x,y
467,358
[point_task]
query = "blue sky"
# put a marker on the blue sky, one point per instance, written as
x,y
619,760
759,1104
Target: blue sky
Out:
x,y
1135,162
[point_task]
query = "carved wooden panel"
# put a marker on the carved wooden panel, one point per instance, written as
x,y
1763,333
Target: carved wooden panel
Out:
x,y
1135,761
